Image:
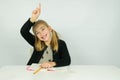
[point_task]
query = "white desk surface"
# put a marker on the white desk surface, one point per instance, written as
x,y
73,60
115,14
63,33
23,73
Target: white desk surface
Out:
x,y
73,72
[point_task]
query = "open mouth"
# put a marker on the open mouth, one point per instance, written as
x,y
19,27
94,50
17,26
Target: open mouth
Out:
x,y
44,37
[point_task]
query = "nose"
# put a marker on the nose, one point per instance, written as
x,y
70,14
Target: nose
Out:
x,y
41,34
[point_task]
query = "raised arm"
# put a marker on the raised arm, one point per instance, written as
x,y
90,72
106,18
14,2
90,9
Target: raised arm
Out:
x,y
25,30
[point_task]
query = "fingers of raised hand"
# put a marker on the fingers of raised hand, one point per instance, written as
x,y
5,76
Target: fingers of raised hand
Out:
x,y
39,7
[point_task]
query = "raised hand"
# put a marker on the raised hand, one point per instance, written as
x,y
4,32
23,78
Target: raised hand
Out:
x,y
35,13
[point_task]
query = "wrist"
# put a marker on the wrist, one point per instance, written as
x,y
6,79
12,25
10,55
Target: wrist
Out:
x,y
32,20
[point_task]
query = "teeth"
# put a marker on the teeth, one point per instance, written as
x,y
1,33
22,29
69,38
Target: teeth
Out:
x,y
44,36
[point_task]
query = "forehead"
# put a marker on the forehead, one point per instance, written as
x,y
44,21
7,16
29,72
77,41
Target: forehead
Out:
x,y
40,26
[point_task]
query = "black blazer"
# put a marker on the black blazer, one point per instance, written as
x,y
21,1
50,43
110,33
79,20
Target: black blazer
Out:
x,y
61,57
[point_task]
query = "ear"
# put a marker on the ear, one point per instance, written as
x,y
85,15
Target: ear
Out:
x,y
50,28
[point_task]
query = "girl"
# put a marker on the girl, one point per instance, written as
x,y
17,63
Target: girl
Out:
x,y
49,50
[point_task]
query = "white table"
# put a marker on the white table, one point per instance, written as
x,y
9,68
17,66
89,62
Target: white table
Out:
x,y
73,72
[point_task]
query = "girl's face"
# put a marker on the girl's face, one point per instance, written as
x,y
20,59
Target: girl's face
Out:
x,y
43,33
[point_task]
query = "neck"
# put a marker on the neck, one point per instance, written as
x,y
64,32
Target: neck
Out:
x,y
48,42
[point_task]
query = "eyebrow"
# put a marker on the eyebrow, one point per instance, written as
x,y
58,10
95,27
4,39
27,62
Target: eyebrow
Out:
x,y
39,28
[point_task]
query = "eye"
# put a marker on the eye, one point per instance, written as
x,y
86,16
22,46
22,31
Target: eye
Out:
x,y
43,29
37,33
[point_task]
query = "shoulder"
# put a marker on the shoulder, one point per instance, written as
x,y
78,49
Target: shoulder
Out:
x,y
61,42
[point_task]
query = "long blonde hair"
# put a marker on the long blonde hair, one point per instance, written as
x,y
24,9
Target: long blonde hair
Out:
x,y
40,45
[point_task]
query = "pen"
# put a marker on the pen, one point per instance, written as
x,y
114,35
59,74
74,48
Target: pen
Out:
x,y
36,71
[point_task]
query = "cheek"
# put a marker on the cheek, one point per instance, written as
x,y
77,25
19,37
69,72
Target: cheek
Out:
x,y
49,33
39,37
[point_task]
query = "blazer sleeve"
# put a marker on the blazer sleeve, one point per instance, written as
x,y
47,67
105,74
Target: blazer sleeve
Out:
x,y
64,56
25,32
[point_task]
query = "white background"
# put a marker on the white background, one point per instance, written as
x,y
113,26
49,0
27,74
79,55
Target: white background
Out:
x,y
91,29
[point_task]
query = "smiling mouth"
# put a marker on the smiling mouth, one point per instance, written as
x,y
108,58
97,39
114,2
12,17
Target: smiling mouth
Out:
x,y
43,37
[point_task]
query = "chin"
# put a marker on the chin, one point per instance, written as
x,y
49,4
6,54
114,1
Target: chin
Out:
x,y
45,40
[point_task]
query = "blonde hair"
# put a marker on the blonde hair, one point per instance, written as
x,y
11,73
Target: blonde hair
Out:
x,y
40,45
